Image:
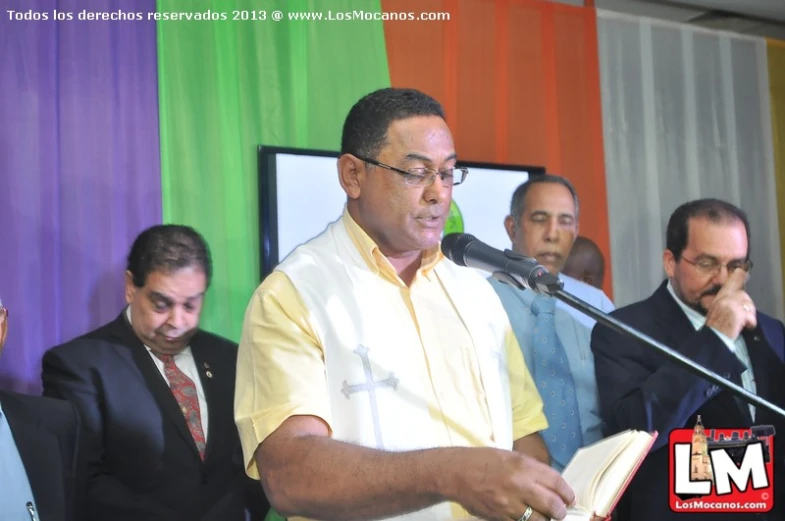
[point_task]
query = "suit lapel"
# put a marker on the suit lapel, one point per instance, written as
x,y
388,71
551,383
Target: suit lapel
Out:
x,y
153,378
40,453
672,319
207,375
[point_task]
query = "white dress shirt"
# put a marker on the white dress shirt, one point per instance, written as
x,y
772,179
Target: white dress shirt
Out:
x,y
184,361
737,346
574,331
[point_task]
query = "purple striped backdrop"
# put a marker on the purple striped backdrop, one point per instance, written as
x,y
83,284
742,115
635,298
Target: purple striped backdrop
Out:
x,y
79,171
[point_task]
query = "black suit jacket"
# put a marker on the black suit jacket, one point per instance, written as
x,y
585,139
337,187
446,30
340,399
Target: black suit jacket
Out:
x,y
46,433
140,458
640,389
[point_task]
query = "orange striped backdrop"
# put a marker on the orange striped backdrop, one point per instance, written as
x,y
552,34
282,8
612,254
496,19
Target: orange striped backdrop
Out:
x,y
519,80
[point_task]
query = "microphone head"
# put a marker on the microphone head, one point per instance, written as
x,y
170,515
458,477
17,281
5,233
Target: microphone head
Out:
x,y
454,246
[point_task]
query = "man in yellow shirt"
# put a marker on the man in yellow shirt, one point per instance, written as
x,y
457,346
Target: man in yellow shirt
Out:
x,y
377,379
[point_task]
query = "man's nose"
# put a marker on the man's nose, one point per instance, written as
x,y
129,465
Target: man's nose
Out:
x,y
721,275
438,190
177,318
552,230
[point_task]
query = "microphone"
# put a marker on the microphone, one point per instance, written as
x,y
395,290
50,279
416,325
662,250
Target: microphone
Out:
x,y
506,266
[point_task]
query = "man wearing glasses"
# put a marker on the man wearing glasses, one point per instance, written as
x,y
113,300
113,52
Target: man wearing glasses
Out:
x,y
703,312
375,377
38,454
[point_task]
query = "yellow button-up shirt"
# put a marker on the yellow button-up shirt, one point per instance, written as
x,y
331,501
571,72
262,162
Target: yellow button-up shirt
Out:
x,y
281,369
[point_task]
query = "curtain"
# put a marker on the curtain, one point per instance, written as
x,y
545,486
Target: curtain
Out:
x,y
79,172
519,80
227,87
686,116
776,58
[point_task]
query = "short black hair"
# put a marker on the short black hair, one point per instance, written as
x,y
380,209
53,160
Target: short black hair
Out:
x,y
519,195
366,125
168,248
715,210
583,243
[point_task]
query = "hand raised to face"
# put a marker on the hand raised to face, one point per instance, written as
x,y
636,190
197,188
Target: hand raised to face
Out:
x,y
732,309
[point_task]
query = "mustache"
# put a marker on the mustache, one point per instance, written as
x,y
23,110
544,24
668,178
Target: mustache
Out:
x,y
712,291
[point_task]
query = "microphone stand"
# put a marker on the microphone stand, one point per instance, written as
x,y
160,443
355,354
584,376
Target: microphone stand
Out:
x,y
549,284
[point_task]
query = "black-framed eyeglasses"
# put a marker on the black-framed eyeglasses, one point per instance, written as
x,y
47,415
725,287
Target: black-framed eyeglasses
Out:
x,y
421,176
709,266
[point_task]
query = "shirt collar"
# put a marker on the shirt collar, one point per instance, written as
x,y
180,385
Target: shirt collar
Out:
x,y
694,317
374,257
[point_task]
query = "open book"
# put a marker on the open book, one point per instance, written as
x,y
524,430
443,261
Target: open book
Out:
x,y
599,473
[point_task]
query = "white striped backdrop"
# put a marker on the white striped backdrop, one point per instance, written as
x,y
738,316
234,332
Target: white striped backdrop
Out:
x,y
685,115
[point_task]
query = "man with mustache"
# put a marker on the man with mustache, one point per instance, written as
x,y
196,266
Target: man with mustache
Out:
x,y
394,387
555,338
155,395
702,311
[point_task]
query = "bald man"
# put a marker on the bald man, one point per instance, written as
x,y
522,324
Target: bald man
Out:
x,y
586,262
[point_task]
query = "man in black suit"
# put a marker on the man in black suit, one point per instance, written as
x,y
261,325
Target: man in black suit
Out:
x,y
38,454
703,312
155,393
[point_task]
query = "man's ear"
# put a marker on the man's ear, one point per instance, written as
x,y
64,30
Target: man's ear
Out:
x,y
509,225
351,174
130,288
669,263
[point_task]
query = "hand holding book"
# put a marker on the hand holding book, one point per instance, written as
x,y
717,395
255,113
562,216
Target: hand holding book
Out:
x,y
498,484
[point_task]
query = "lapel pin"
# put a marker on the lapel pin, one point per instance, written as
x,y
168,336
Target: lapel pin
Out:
x,y
209,374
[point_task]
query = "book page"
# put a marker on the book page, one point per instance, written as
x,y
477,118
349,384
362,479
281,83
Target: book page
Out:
x,y
590,463
613,478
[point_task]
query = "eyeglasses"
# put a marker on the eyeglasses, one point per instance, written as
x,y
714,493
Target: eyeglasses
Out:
x,y
422,176
709,266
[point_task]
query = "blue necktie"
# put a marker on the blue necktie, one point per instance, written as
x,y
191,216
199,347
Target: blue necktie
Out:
x,y
551,372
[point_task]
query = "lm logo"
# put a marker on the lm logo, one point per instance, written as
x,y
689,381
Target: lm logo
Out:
x,y
722,470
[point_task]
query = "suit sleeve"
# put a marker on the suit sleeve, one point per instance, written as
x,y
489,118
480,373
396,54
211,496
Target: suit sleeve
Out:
x,y
105,497
642,390
75,486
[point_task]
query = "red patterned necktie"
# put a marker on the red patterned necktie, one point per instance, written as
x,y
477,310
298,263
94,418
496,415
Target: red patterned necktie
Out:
x,y
184,391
